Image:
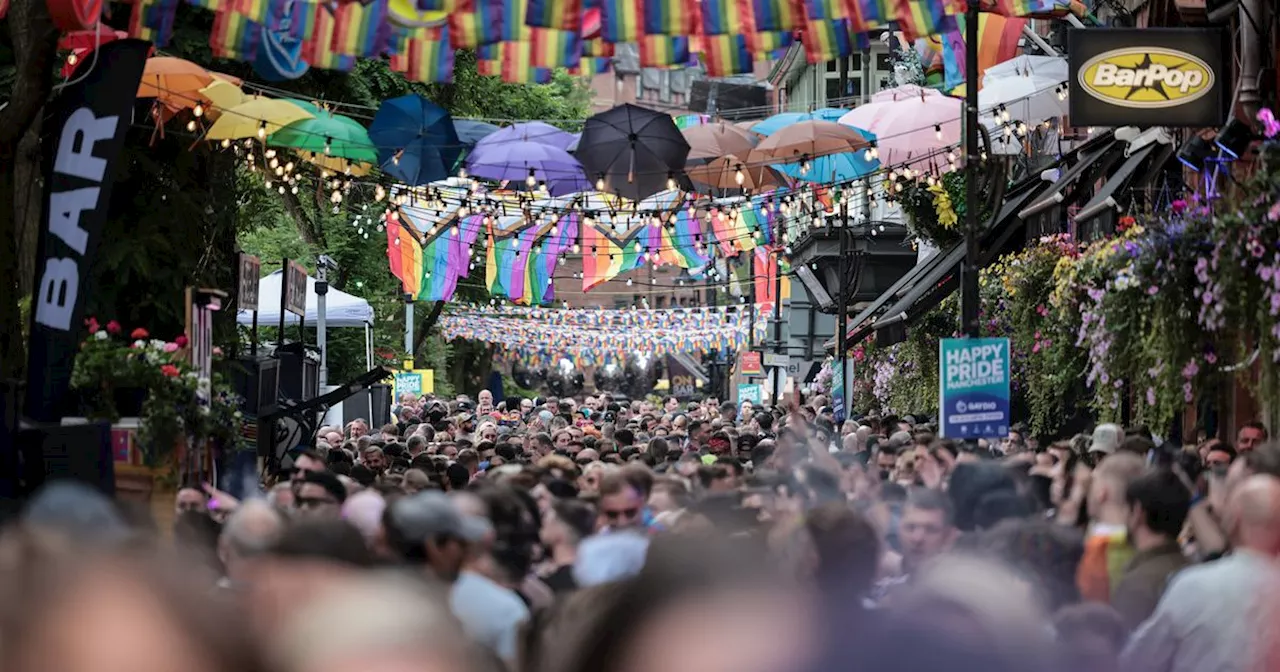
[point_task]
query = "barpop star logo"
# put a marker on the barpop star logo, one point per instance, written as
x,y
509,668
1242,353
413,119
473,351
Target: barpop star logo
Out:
x,y
1146,77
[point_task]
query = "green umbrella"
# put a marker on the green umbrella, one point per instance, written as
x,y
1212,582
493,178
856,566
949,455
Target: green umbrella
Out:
x,y
343,136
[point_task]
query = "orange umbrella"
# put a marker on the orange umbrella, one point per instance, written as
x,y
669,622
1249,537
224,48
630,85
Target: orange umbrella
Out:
x,y
173,82
729,172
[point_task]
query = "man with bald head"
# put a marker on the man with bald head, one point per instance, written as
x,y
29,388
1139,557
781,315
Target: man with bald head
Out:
x,y
1219,616
250,531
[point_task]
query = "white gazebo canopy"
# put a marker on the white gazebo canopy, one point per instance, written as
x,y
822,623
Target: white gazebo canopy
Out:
x,y
341,309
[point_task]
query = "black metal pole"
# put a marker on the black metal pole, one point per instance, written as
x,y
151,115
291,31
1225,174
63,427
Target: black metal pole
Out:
x,y
969,271
779,375
842,328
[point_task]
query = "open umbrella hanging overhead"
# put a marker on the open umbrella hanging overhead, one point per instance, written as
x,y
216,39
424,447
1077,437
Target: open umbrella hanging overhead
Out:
x,y
522,162
533,131
632,152
258,117
416,140
471,131
714,140
329,134
730,172
806,140
781,120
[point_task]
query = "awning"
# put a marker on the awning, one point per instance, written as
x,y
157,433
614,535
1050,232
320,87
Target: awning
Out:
x,y
1096,155
925,285
1136,170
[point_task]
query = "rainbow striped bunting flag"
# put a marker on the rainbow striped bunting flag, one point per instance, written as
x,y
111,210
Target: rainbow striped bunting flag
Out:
x,y
778,15
663,51
430,57
404,252
921,18
725,55
997,42
358,29
865,15
1029,7
476,23
829,10
590,66
513,18
318,51
671,17
233,36
154,21
827,40
723,17
551,48
768,42
557,14
621,20
597,47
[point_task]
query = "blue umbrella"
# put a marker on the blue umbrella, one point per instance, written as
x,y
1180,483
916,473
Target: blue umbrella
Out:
x,y
471,131
516,162
834,167
533,131
772,124
416,140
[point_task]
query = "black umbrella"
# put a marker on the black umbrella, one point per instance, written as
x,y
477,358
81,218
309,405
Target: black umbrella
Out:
x,y
632,152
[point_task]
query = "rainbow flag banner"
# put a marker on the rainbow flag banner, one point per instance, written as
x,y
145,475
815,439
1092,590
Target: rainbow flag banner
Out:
x,y
778,15
557,14
663,51
725,17
233,36
921,18
828,10
430,57
866,15
768,42
476,23
551,48
358,29
998,38
671,17
725,55
621,20
590,66
1030,7
404,252
827,40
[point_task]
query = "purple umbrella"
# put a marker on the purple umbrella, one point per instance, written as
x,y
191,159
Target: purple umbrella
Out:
x,y
516,162
531,131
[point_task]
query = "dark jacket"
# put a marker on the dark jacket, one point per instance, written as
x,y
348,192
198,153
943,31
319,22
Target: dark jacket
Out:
x,y
1144,580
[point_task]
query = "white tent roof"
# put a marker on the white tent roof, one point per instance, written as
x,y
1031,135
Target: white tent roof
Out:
x,y
341,309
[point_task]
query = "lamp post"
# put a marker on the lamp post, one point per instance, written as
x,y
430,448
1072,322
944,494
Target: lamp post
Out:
x,y
969,270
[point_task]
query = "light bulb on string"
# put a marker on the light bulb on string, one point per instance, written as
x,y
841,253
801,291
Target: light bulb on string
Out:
x,y
577,249
937,131
262,131
73,59
629,283
671,182
226,142
279,171
532,179
738,176
328,146
198,110
248,144
191,126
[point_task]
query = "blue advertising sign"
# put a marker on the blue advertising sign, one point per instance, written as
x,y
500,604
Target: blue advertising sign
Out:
x,y
973,395
837,392
752,392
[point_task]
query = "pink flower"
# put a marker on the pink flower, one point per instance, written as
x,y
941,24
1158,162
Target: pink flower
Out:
x,y
170,347
1270,127
1153,290
92,324
217,352
181,340
139,333
1191,369
1178,206
113,327
1151,396
1210,358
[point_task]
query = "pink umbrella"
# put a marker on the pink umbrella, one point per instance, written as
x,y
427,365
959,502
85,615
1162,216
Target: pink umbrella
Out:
x,y
912,125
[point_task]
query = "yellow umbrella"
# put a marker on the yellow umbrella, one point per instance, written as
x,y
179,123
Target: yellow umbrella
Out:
x,y
258,118
337,165
222,95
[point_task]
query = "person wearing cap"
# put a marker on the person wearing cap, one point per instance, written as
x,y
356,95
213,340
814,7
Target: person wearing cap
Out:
x,y
428,530
1107,437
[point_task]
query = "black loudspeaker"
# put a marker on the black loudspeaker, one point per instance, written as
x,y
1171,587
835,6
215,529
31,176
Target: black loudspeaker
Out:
x,y
256,381
380,396
299,372
355,407
76,452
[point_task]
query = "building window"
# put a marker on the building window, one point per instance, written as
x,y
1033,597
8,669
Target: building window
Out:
x,y
831,82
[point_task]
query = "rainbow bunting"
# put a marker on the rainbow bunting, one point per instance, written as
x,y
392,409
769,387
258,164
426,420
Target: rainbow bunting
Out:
x,y
318,51
429,57
686,239
765,274
516,66
437,5
1030,7
621,20
557,14
826,40
211,5
551,48
476,23
920,18
357,28
866,15
234,36
725,55
597,47
563,235
778,15
404,251
671,17
723,17
513,18
829,10
997,42
768,42
590,66
663,51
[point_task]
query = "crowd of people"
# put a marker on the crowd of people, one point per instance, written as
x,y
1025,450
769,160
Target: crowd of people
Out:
x,y
557,535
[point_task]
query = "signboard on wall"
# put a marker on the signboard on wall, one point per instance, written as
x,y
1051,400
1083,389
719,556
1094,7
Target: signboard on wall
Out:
x,y
1149,76
683,384
250,272
973,395
752,392
749,363
416,382
295,288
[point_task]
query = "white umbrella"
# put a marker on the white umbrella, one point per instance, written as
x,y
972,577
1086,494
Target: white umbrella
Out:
x,y
912,125
1027,89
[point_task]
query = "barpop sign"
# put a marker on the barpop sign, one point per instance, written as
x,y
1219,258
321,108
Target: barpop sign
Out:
x,y
973,395
84,135
1148,77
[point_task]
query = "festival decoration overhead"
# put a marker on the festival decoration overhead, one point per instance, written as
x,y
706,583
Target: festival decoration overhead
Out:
x,y
911,123
416,140
713,141
528,163
470,131
632,151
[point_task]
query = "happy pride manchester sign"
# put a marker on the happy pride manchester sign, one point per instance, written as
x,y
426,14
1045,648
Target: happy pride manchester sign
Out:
x,y
973,395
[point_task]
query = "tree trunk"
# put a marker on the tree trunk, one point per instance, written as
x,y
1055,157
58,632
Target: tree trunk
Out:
x,y
35,42
424,330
